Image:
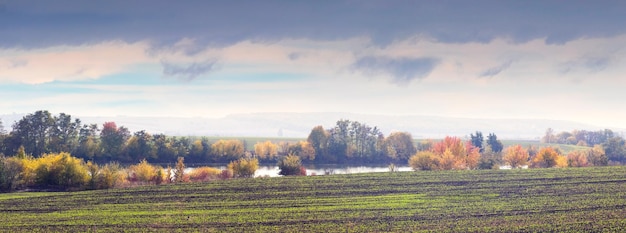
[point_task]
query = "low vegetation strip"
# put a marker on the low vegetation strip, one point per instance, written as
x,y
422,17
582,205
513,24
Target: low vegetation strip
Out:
x,y
539,200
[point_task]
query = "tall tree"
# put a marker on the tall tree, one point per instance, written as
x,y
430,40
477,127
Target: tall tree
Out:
x,y
2,130
494,143
549,136
112,140
33,131
318,138
3,136
477,140
64,134
140,147
615,149
88,142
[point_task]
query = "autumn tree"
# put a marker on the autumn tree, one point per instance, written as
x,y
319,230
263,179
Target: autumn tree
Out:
x,y
577,158
515,156
290,166
597,157
244,168
179,172
303,149
228,149
266,150
59,170
548,157
400,146
424,160
454,154
145,172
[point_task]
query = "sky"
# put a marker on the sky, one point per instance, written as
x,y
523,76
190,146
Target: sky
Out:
x,y
544,59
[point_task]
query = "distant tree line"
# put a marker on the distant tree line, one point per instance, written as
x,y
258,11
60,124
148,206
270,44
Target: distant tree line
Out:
x,y
613,145
348,142
60,153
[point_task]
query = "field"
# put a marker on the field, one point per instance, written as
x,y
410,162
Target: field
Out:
x,y
537,200
565,148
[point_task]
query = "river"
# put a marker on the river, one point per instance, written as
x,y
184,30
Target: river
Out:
x,y
272,171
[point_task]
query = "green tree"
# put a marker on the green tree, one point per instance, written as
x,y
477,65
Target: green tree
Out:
x,y
64,134
318,138
33,132
615,150
140,146
477,140
494,143
88,143
112,141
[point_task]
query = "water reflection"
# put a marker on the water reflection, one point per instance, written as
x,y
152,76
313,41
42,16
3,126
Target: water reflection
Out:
x,y
272,171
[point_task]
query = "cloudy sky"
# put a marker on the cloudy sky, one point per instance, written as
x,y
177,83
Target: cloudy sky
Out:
x,y
563,60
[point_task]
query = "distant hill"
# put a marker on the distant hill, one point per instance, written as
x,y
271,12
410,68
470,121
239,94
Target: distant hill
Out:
x,y
300,124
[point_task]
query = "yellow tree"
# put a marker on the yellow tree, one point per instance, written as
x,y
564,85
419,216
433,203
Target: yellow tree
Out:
x,y
231,149
424,160
244,168
548,157
515,156
266,150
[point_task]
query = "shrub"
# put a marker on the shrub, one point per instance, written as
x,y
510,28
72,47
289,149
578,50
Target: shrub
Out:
x,y
290,166
577,159
144,172
243,168
110,176
424,160
204,174
10,173
179,171
225,174
60,170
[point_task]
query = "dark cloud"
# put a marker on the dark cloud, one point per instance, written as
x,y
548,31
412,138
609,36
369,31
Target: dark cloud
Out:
x,y
30,23
493,71
188,72
403,70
